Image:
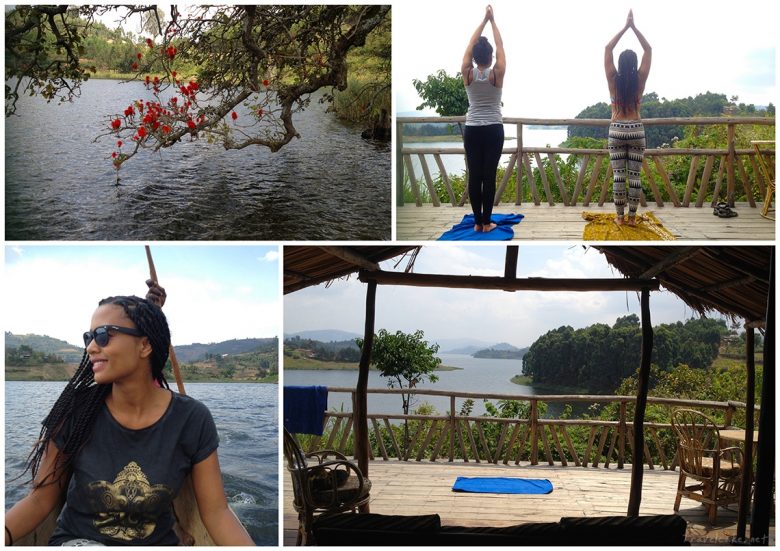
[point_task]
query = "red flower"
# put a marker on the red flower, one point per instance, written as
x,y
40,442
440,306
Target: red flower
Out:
x,y
148,79
234,115
173,74
156,80
266,83
139,55
260,112
142,132
119,143
171,52
116,123
194,86
191,124
149,42
113,154
134,66
166,129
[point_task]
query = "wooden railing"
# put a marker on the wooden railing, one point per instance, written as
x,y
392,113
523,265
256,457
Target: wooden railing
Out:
x,y
565,442
730,163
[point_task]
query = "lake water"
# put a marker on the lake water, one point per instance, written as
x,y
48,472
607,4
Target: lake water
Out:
x,y
536,136
475,375
59,185
247,421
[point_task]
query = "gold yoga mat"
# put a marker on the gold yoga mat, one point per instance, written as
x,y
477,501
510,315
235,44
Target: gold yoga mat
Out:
x,y
602,227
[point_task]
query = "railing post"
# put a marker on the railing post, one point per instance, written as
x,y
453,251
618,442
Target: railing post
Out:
x,y
519,163
622,434
730,159
534,424
729,416
452,428
399,165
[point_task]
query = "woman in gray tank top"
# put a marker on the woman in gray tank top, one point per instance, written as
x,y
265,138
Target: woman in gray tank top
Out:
x,y
483,137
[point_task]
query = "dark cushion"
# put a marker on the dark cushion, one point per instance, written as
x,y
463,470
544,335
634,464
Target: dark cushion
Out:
x,y
533,533
369,529
621,530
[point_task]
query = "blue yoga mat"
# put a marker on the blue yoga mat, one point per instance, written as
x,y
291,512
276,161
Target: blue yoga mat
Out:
x,y
464,230
505,485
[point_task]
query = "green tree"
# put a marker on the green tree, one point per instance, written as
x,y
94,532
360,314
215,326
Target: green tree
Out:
x,y
443,93
267,59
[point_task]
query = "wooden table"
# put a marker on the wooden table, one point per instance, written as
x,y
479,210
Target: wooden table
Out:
x,y
736,435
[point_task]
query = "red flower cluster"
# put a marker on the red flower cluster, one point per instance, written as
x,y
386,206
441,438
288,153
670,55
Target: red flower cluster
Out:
x,y
234,115
170,52
116,124
134,66
266,83
149,42
139,55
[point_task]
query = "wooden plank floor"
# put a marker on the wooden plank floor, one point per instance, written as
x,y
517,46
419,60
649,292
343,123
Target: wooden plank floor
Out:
x,y
557,222
425,488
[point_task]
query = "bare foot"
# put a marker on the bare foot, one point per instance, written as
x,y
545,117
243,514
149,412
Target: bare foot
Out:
x,y
632,221
618,220
489,227
477,228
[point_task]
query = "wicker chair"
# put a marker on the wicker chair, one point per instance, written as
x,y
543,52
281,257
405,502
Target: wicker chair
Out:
x,y
717,471
322,486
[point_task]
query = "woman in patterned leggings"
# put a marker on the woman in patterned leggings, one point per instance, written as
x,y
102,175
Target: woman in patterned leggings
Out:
x,y
626,141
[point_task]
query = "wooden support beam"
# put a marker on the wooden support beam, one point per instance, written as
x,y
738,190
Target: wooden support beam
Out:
x,y
681,254
765,454
637,449
747,463
504,284
362,442
510,266
349,255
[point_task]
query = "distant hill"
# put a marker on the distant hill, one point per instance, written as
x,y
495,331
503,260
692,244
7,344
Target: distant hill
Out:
x,y
197,351
325,335
46,345
501,351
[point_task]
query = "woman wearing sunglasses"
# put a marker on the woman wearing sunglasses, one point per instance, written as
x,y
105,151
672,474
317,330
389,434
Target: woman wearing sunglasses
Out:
x,y
121,443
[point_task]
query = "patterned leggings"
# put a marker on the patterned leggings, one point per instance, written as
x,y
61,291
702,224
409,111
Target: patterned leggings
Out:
x,y
626,145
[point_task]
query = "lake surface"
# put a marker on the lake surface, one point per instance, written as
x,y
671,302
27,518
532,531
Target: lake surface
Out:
x,y
536,136
60,185
247,421
476,375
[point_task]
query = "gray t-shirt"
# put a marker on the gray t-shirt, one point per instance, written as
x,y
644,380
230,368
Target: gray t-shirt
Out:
x,y
124,481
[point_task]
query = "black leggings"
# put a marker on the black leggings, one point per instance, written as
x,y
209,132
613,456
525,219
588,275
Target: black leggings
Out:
x,y
483,146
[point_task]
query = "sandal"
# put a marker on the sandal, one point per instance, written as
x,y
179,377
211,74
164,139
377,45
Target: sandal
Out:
x,y
722,210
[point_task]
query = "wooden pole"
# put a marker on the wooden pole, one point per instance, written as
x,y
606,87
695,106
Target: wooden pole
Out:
x,y
361,390
510,266
747,464
637,469
730,159
765,454
399,165
505,284
171,353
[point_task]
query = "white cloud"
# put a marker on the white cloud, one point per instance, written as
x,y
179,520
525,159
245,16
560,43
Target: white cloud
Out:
x,y
271,256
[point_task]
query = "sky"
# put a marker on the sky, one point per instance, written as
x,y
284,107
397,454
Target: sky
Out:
x,y
215,293
555,49
450,315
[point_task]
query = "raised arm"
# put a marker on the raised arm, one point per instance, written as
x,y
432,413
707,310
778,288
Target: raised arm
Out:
x,y
647,57
466,65
30,511
609,60
499,68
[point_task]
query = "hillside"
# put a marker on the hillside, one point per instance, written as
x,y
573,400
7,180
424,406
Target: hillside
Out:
x,y
37,358
502,351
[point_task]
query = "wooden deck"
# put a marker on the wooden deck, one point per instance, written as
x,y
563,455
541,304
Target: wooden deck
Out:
x,y
425,488
545,222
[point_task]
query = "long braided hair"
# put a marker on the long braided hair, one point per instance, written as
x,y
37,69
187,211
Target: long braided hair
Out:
x,y
82,398
627,81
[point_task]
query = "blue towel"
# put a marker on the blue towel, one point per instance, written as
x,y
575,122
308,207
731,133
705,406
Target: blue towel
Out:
x,y
506,485
464,231
304,409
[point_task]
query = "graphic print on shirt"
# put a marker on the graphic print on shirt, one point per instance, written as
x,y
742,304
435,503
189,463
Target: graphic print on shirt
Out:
x,y
129,506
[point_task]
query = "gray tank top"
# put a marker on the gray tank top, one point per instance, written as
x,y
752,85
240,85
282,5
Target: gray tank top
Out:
x,y
484,100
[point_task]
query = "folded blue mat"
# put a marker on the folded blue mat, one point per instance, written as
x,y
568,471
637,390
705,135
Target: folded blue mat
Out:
x,y
505,485
304,409
464,230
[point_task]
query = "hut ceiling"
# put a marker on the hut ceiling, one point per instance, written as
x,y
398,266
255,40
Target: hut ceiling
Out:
x,y
306,265
732,280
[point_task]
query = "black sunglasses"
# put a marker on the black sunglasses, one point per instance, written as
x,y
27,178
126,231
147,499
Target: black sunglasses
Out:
x,y
101,334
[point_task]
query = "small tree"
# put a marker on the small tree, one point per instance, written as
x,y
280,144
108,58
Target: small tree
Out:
x,y
445,94
406,359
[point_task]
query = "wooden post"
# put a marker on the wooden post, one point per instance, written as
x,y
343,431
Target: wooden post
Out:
x,y
622,434
452,428
747,463
730,160
533,431
399,165
510,265
637,470
519,186
361,399
765,455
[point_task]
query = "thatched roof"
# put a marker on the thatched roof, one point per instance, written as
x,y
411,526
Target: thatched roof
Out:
x,y
306,266
731,280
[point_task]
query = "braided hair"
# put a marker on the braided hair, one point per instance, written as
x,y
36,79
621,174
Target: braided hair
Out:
x,y
81,400
627,80
482,52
